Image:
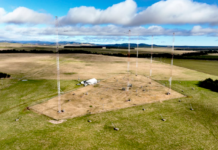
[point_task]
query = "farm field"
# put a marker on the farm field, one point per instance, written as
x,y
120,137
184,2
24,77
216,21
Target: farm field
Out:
x,y
213,54
183,128
205,66
147,50
4,45
165,50
86,66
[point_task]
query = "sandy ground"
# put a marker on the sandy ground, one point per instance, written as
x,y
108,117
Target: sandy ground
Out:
x,y
106,96
84,66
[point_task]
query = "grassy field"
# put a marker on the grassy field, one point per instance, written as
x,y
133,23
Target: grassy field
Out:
x,y
30,91
86,66
147,50
206,66
183,129
213,54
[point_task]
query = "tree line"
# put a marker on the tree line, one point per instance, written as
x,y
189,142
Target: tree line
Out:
x,y
195,55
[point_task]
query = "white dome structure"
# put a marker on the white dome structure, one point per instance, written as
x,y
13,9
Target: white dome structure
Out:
x,y
89,82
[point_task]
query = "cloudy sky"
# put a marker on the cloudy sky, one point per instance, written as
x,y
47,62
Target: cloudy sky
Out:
x,y
194,22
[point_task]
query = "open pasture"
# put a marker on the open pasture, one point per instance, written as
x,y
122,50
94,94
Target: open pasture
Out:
x,y
213,54
183,128
204,66
145,50
5,45
86,66
164,50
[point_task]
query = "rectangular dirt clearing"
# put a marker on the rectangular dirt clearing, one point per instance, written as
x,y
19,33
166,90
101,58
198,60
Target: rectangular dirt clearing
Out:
x,y
106,96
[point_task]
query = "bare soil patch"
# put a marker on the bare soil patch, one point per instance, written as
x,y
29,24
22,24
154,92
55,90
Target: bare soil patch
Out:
x,y
106,96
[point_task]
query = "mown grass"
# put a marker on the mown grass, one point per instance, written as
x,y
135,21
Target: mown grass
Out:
x,y
14,93
184,129
205,66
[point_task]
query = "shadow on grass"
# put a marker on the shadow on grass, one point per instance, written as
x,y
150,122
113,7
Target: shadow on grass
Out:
x,y
209,84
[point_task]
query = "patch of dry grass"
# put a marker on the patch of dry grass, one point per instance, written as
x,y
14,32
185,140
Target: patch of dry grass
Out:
x,y
164,50
43,66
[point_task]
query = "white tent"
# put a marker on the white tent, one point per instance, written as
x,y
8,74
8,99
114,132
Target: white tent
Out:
x,y
90,82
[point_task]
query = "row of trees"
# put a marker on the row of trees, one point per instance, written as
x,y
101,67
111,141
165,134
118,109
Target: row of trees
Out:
x,y
195,55
44,51
209,84
4,75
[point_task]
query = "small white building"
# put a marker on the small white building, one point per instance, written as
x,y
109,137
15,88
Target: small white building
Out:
x,y
89,82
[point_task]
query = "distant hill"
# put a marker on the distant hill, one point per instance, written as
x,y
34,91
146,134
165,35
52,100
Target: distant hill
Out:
x,y
41,42
122,45
125,45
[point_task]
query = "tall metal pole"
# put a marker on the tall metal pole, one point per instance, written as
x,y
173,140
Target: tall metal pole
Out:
x,y
151,59
128,51
151,65
128,60
137,55
58,69
171,68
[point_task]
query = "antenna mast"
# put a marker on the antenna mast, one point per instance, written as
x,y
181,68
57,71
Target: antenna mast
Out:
x,y
151,60
58,69
128,51
171,68
128,60
137,55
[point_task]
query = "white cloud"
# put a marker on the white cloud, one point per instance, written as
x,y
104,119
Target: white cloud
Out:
x,y
2,12
162,12
121,13
30,33
96,33
23,15
124,13
177,12
112,30
112,39
198,31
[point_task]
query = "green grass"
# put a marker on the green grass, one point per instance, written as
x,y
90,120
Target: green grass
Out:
x,y
204,57
205,66
70,73
14,93
184,129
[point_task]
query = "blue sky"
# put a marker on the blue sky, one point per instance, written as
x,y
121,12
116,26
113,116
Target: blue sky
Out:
x,y
193,22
